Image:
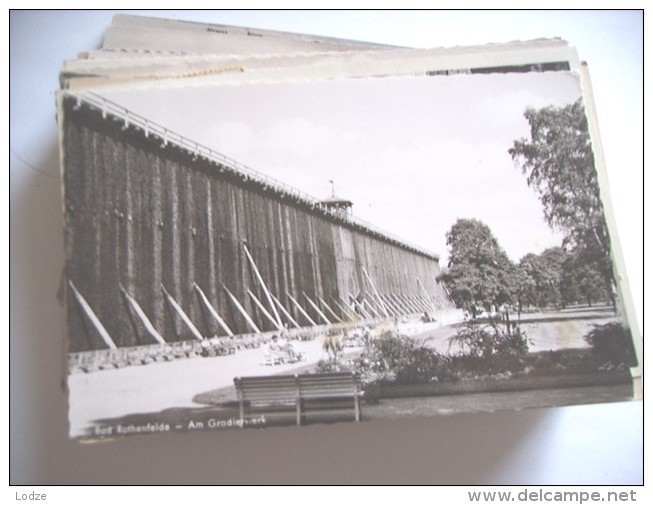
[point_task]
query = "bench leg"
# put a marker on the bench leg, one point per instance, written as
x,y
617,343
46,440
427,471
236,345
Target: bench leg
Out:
x,y
299,412
357,410
242,414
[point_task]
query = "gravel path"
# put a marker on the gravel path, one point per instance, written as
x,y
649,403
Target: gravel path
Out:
x,y
155,387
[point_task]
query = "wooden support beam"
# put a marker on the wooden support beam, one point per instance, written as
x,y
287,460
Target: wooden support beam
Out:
x,y
212,310
393,306
429,303
265,288
95,321
414,302
378,307
437,303
300,308
317,309
374,312
142,316
411,304
133,318
274,322
326,306
400,303
347,311
449,303
285,312
426,295
360,307
242,310
376,293
193,329
420,303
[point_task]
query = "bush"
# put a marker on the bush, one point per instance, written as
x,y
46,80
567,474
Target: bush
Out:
x,y
488,340
560,362
401,360
612,345
330,366
486,349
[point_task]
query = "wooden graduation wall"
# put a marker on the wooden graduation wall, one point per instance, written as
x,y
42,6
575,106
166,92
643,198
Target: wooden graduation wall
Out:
x,y
158,236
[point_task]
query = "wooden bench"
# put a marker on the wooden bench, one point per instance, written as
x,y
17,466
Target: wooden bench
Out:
x,y
298,394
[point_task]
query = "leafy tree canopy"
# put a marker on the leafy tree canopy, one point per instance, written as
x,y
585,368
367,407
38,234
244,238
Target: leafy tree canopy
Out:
x,y
582,281
480,274
542,275
559,165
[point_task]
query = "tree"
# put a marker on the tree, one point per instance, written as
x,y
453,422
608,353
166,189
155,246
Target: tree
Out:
x,y
581,282
480,274
526,288
541,278
545,274
559,165
552,260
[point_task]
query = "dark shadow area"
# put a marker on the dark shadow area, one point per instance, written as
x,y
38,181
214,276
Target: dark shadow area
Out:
x,y
587,308
568,314
38,412
36,345
558,319
428,451
221,417
226,415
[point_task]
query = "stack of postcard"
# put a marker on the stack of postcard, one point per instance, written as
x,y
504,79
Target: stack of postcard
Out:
x,y
266,228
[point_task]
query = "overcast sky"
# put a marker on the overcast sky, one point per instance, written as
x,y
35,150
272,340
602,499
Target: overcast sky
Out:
x,y
414,154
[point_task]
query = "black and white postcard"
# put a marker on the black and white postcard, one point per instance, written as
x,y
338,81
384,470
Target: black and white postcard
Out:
x,y
346,234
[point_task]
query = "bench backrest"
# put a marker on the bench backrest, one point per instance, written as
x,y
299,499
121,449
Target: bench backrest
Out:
x,y
287,387
267,388
328,385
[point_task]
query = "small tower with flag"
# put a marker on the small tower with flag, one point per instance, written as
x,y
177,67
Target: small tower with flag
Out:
x,y
337,205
